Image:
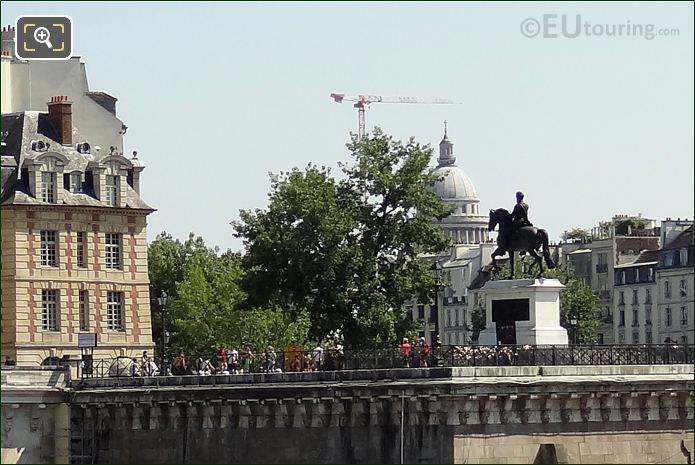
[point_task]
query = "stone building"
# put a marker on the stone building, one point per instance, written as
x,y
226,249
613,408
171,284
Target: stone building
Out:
x,y
449,317
465,225
595,258
674,278
74,243
458,303
634,300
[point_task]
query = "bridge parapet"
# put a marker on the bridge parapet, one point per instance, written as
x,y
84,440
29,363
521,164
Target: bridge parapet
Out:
x,y
419,374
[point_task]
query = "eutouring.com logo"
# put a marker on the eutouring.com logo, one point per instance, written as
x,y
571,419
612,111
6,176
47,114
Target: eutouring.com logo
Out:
x,y
554,26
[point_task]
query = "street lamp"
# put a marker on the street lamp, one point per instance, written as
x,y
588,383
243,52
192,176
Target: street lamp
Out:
x,y
437,273
162,300
436,269
573,323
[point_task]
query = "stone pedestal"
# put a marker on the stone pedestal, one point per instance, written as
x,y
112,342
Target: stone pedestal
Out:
x,y
523,311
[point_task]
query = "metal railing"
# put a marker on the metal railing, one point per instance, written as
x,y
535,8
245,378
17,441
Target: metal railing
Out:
x,y
393,357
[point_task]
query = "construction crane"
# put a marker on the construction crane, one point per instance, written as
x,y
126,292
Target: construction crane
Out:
x,y
363,101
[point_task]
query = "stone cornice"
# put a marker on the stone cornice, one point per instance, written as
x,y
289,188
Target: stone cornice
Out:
x,y
80,209
77,279
370,406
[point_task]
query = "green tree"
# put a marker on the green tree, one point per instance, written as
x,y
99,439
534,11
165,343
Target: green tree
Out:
x,y
478,320
623,227
206,306
576,233
346,251
167,260
577,300
207,312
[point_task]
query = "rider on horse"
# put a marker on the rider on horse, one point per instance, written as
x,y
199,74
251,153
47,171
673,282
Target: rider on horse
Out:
x,y
517,234
519,218
520,213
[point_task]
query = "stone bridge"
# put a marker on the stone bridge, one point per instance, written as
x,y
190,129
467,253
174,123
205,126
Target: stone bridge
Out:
x,y
561,414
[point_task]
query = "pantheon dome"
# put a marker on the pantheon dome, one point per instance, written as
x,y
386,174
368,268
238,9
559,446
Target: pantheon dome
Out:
x,y
465,225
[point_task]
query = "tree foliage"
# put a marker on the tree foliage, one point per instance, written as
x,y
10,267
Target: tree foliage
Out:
x,y
577,300
478,320
167,260
206,305
623,227
345,251
576,234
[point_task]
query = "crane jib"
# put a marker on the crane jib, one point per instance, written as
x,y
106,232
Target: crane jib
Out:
x,y
363,100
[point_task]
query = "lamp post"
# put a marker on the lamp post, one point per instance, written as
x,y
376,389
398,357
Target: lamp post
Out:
x,y
162,300
436,269
575,329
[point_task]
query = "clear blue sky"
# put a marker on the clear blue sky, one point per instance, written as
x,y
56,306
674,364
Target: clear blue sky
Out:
x,y
216,95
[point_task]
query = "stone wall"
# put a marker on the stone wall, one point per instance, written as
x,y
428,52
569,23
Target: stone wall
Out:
x,y
580,414
35,416
447,415
576,447
35,433
277,431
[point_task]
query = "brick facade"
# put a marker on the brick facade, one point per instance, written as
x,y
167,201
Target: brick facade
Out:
x,y
24,278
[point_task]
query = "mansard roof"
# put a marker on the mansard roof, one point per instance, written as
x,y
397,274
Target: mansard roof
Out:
x,y
20,130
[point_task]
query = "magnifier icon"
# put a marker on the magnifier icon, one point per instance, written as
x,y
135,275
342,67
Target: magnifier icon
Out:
x,y
43,36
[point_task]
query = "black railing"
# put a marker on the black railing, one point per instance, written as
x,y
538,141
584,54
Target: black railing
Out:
x,y
602,267
394,357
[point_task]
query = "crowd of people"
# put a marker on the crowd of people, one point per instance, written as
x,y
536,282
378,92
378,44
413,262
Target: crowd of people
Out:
x,y
419,355
145,366
230,361
331,356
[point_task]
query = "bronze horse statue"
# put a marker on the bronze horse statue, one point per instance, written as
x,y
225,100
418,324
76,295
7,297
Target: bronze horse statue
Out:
x,y
527,239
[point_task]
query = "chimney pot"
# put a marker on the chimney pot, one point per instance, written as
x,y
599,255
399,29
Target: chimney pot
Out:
x,y
60,115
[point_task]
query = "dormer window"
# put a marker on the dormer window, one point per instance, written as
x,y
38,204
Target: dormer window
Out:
x,y
112,190
76,183
48,187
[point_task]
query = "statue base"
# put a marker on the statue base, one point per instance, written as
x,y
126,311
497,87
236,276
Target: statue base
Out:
x,y
523,311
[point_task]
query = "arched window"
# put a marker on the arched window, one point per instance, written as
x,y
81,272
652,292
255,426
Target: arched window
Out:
x,y
50,362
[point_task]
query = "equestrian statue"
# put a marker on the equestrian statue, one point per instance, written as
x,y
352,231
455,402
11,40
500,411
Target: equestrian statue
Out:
x,y
517,234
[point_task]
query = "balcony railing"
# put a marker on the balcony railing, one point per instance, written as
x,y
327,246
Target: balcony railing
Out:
x,y
602,268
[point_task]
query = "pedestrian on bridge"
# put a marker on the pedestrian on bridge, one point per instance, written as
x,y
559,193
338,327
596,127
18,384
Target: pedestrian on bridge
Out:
x,y
405,352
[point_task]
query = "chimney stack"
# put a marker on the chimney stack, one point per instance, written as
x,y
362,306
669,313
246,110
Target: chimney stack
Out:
x,y
60,115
